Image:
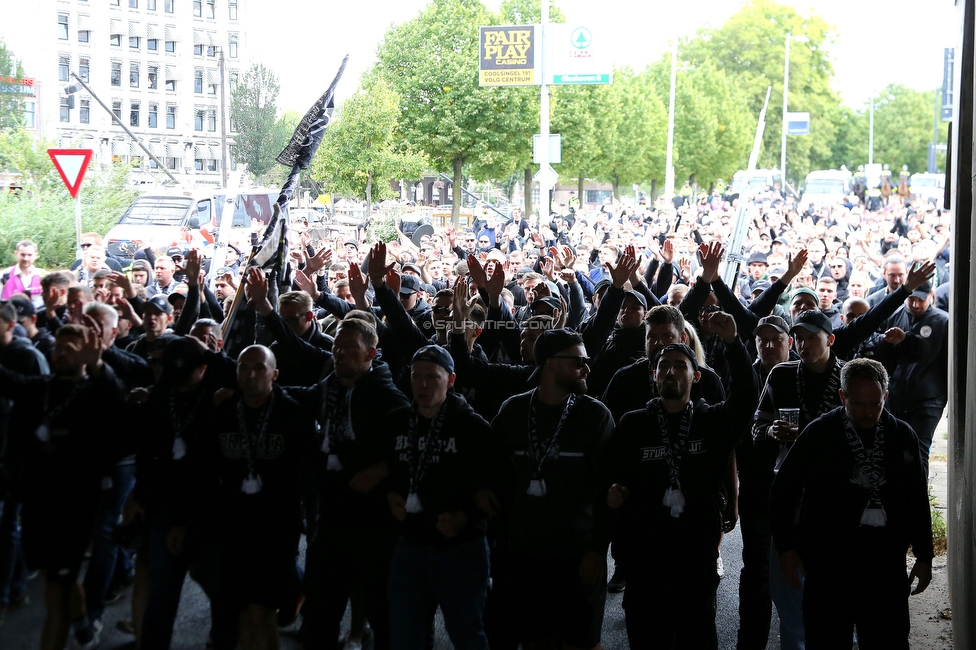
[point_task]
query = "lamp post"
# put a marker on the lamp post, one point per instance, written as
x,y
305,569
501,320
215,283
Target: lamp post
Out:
x,y
871,134
786,94
669,164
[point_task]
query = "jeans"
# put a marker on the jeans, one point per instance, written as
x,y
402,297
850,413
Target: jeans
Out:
x,y
924,422
338,556
106,553
456,578
13,569
167,573
789,606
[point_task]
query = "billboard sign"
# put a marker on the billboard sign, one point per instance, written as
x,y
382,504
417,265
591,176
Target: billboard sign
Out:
x,y
579,56
510,55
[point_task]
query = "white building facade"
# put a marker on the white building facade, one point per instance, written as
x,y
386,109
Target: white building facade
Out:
x,y
154,63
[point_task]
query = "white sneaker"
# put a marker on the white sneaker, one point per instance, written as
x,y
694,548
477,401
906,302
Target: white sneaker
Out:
x,y
352,645
90,637
719,567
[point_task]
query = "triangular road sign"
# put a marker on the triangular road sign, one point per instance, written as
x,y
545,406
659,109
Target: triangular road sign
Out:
x,y
71,164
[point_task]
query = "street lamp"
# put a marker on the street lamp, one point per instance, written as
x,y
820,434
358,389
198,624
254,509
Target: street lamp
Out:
x,y
786,92
669,164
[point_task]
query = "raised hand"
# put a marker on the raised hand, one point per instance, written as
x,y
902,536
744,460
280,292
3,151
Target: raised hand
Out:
x,y
794,264
721,324
320,260
357,283
496,279
306,284
377,264
122,280
193,262
711,259
919,274
620,273
477,271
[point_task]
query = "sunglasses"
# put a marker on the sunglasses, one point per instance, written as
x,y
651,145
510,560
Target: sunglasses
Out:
x,y
86,245
580,361
440,310
484,241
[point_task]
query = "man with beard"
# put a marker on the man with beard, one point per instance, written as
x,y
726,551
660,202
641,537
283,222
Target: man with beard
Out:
x,y
855,477
665,464
550,573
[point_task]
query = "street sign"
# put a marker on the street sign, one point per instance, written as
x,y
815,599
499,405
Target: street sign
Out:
x,y
510,55
578,55
546,177
555,148
797,123
71,164
948,61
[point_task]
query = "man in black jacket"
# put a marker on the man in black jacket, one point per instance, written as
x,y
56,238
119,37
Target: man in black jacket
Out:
x,y
438,464
665,465
855,475
550,574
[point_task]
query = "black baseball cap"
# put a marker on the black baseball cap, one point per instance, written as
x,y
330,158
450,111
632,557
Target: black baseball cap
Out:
x,y
551,301
23,305
409,285
638,296
776,322
181,356
923,291
758,258
678,347
551,343
160,303
812,320
435,354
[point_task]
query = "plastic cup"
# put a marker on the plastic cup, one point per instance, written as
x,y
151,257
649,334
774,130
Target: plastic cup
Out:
x,y
790,415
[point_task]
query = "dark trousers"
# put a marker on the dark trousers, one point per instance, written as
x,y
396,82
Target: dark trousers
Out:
x,y
13,568
923,421
870,594
755,604
107,555
335,559
672,605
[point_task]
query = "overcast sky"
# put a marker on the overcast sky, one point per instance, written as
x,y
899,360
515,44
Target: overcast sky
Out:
x,y
898,41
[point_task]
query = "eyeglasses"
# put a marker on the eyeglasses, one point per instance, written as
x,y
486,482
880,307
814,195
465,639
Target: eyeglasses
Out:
x,y
86,245
440,310
580,361
484,241
469,240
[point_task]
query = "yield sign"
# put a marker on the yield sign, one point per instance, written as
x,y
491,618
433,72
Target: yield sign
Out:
x,y
71,164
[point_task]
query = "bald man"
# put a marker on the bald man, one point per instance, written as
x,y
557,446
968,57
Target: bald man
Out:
x,y
261,435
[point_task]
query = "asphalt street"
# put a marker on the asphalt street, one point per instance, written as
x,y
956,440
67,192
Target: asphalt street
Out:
x,y
22,630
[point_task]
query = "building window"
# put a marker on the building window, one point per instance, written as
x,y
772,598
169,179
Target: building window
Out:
x,y
83,69
212,121
211,165
211,9
116,74
198,164
197,50
233,159
211,51
62,29
64,63
115,40
114,3
134,114
83,36
152,164
597,196
232,79
134,42
170,117
198,81
29,117
133,4
65,109
84,112
198,8
151,5
198,120
153,119
171,85
152,44
171,163
133,75
170,46
168,6
211,89
153,78
232,46
232,10
117,108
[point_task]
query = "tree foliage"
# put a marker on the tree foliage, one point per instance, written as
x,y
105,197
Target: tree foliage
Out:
x,y
432,63
360,150
11,108
44,212
253,112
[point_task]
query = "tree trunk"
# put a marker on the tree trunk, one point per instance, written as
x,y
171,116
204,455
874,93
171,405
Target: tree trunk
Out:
x,y
616,188
579,190
369,191
527,194
456,192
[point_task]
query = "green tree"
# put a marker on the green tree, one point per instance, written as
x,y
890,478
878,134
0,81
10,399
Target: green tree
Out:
x,y
432,62
11,107
360,149
750,48
903,125
253,111
634,132
580,115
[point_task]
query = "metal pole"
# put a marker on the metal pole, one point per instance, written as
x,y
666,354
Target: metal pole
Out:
x,y
544,195
223,123
871,135
669,163
116,119
786,95
78,223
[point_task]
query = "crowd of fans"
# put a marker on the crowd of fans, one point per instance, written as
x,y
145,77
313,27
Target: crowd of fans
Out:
x,y
497,405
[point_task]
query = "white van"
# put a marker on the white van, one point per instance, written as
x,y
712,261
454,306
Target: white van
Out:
x,y
930,187
826,187
161,220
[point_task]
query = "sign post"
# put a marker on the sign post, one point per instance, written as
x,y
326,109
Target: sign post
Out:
x,y
71,165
